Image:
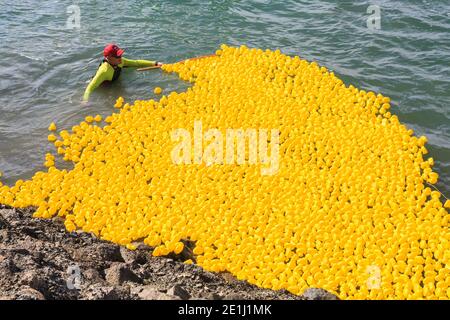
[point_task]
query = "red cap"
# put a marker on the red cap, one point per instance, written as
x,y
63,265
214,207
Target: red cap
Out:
x,y
112,50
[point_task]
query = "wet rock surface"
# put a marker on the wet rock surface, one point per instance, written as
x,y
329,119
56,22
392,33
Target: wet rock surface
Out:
x,y
318,294
40,260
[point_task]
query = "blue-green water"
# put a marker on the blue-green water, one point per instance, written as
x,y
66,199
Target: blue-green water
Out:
x,y
45,65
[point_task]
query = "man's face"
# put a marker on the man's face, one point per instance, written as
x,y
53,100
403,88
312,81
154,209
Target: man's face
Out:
x,y
114,60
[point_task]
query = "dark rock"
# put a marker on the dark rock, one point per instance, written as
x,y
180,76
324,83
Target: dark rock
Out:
x,y
318,294
30,246
142,258
104,252
7,266
208,277
128,256
118,293
81,254
22,260
32,279
38,255
179,291
4,236
143,248
150,293
228,277
35,255
99,292
119,273
28,293
21,251
93,276
33,232
212,296
109,252
3,222
9,215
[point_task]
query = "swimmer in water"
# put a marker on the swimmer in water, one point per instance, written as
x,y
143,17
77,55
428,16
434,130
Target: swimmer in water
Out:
x,y
111,67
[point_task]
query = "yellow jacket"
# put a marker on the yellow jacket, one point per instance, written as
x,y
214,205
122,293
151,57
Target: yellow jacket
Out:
x,y
107,72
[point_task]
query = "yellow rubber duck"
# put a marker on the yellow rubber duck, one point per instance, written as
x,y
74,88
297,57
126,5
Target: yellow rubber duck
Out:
x,y
52,127
157,90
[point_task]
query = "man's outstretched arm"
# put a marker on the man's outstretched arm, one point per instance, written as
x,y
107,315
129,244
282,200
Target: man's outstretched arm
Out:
x,y
138,63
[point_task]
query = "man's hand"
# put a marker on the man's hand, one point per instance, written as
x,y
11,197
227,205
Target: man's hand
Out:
x,y
85,103
159,64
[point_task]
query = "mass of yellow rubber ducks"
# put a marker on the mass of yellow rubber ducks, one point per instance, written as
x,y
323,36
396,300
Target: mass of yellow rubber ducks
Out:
x,y
350,209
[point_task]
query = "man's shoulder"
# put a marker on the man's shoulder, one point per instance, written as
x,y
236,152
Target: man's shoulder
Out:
x,y
124,62
104,66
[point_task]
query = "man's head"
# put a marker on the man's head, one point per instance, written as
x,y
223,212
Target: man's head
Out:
x,y
113,54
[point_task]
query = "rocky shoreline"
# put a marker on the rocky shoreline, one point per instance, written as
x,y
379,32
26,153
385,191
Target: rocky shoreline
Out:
x,y
40,260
